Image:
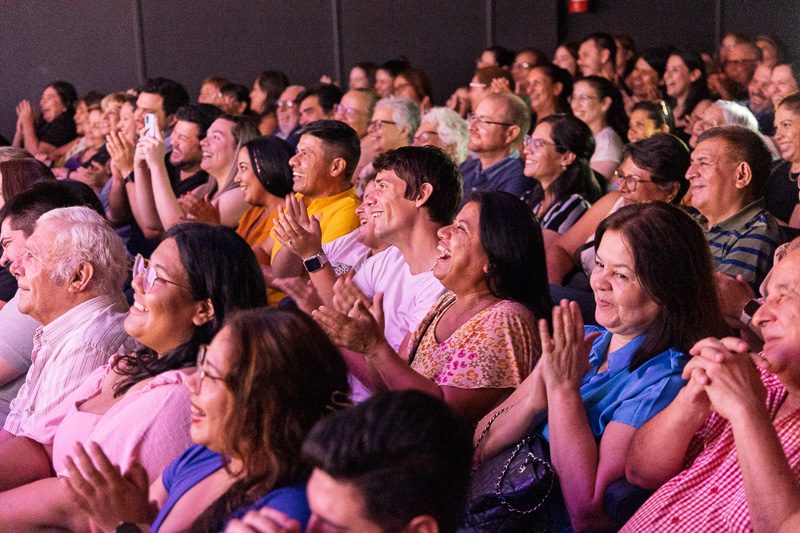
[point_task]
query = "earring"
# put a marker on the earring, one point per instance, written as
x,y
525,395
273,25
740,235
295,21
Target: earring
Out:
x,y
63,109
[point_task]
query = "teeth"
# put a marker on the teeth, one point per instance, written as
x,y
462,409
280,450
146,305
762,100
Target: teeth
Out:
x,y
444,253
362,221
196,411
140,307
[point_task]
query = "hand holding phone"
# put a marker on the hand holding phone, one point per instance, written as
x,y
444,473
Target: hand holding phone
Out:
x,y
151,124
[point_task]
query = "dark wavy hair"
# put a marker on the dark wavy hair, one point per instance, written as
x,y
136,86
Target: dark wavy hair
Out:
x,y
220,266
285,375
512,240
69,96
571,134
674,267
269,157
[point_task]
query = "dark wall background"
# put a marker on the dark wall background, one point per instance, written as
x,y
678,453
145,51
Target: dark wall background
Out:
x,y
107,44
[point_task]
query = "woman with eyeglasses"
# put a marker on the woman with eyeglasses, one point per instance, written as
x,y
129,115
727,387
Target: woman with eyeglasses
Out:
x,y
557,156
653,169
135,407
445,129
599,104
265,380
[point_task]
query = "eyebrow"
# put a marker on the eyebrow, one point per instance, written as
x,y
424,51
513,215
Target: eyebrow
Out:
x,y
614,265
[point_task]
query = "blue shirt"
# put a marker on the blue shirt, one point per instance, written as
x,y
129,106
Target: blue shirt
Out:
x,y
631,398
505,175
198,462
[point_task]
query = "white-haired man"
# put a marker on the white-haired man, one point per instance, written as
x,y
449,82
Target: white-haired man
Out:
x,y
70,279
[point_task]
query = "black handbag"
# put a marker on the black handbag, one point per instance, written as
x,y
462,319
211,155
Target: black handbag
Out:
x,y
514,491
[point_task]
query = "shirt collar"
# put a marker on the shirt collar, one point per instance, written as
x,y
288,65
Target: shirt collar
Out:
x,y
57,330
748,213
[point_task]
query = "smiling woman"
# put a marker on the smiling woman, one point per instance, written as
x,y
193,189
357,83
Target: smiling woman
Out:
x,y
181,298
55,126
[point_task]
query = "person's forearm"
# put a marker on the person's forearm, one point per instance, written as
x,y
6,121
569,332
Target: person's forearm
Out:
x,y
22,461
324,280
559,264
30,141
119,212
575,457
168,210
41,505
396,373
770,485
658,448
148,214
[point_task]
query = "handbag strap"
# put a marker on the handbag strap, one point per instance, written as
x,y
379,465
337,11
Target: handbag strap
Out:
x,y
532,458
489,424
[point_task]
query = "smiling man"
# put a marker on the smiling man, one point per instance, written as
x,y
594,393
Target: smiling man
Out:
x,y
729,166
70,278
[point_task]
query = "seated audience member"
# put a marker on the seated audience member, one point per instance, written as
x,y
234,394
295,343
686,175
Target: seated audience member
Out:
x,y
723,113
737,71
479,341
413,83
17,220
267,88
557,156
384,76
723,452
481,85
685,85
646,80
161,97
362,76
496,130
773,50
92,100
41,136
135,407
265,178
318,103
758,99
355,109
288,112
785,81
598,103
236,100
83,166
729,167
649,118
70,278
420,462
654,286
417,191
260,387
211,90
459,102
394,122
549,88
566,57
445,129
328,152
219,201
626,55
780,189
495,56
524,61
597,57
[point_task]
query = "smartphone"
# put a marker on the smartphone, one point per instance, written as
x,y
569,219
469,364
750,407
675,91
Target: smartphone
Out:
x,y
151,124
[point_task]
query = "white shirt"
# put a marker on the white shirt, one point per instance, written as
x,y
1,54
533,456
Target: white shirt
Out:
x,y
65,352
16,344
407,298
346,253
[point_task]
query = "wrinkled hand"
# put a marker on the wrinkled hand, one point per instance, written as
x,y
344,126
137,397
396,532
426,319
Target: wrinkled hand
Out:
x,y
300,290
121,150
298,232
359,331
728,375
104,493
265,520
151,149
500,85
346,293
733,293
199,210
565,355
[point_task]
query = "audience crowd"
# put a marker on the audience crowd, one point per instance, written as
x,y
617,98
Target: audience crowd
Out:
x,y
284,308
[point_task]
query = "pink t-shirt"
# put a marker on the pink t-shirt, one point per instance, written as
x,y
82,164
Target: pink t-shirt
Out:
x,y
150,425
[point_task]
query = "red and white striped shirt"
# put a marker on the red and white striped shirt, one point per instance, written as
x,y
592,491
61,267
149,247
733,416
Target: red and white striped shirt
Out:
x,y
709,494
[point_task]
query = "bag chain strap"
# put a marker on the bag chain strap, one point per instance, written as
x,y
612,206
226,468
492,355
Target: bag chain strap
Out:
x,y
499,492
489,424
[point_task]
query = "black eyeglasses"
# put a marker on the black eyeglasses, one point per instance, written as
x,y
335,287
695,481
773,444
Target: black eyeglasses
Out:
x,y
480,121
630,180
378,124
201,373
149,275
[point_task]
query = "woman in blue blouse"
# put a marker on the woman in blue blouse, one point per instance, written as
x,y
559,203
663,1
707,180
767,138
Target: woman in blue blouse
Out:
x,y
655,293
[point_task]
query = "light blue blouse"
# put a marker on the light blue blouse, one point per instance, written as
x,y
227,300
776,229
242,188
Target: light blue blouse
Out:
x,y
631,398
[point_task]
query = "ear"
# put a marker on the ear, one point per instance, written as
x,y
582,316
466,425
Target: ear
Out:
x,y
338,166
558,88
744,175
425,105
567,158
425,192
511,133
170,121
405,131
605,56
204,312
81,277
695,75
422,524
606,104
664,128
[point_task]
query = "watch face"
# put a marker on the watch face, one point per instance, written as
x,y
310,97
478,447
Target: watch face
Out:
x,y
313,264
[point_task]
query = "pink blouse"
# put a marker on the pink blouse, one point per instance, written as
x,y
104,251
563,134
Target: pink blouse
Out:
x,y
150,425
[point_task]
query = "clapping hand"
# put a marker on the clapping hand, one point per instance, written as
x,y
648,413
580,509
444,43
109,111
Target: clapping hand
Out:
x,y
360,330
298,232
121,150
565,354
198,210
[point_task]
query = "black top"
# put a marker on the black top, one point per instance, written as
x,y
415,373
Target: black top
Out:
x,y
780,191
8,285
58,132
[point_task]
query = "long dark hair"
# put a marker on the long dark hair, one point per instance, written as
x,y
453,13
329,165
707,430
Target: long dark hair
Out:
x,y
571,134
269,157
220,266
559,75
285,374
698,89
512,240
20,174
674,267
615,116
